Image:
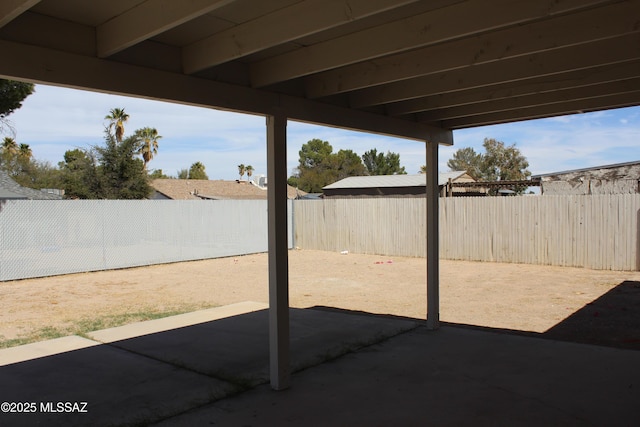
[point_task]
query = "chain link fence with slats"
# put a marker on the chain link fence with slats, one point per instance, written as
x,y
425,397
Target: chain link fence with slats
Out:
x,y
44,237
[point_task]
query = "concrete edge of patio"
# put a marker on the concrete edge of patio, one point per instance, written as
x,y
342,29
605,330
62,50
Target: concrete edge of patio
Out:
x,y
164,324
74,342
46,348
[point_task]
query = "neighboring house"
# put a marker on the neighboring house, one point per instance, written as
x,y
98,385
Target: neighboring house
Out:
x,y
11,190
395,185
620,178
202,189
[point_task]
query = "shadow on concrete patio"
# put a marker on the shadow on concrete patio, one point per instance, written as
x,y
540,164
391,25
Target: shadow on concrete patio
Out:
x,y
150,377
350,369
612,320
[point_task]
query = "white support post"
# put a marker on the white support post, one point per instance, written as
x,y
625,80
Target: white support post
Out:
x,y
433,255
280,370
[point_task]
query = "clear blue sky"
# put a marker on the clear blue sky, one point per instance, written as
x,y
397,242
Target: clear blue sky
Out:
x,y
54,120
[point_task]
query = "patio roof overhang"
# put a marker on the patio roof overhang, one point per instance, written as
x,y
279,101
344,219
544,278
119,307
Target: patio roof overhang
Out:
x,y
414,69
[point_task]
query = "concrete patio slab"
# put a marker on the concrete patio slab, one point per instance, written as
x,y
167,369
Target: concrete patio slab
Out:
x,y
450,377
43,348
141,380
118,387
392,371
236,348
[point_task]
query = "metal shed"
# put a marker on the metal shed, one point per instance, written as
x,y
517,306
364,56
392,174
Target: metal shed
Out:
x,y
390,185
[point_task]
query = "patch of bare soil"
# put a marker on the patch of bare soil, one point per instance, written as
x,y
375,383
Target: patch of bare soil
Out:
x,y
562,302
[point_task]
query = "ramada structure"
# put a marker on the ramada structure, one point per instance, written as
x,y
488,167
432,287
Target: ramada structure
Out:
x,y
407,68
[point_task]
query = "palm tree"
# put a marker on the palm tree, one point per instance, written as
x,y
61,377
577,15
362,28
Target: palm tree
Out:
x,y
149,138
9,146
197,171
423,169
249,170
241,169
25,151
117,118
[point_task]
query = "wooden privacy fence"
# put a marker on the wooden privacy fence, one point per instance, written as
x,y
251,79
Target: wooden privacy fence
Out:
x,y
599,232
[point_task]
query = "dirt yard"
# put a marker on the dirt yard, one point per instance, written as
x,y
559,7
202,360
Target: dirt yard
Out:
x,y
508,296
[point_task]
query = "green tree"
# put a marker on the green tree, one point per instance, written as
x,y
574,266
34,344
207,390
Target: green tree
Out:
x,y
34,174
117,118
498,163
12,94
111,171
293,180
74,159
345,163
8,153
313,170
501,163
382,164
196,171
319,166
44,175
249,170
158,174
121,174
9,146
22,167
149,138
314,153
241,170
504,163
79,175
25,151
466,159
183,174
16,160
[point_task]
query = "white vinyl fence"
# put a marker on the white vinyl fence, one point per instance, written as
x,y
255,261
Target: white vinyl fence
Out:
x,y
599,232
47,237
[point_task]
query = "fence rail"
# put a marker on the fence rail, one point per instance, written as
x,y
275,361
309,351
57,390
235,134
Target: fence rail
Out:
x,y
599,232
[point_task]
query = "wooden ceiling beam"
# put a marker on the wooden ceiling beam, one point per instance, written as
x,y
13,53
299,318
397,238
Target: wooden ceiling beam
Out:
x,y
586,26
533,100
628,99
50,66
429,28
11,9
572,79
281,26
602,52
149,19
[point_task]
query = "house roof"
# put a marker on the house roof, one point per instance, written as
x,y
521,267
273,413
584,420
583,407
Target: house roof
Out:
x,y
419,180
197,189
9,189
411,68
6,194
593,168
